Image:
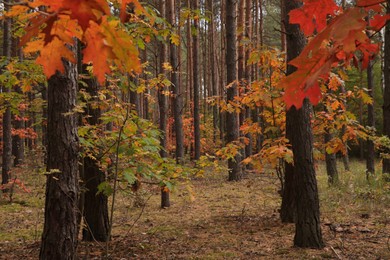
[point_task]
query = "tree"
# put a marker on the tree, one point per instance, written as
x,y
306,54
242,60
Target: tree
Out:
x,y
163,108
370,158
95,210
231,117
59,238
7,116
386,94
176,87
302,174
196,82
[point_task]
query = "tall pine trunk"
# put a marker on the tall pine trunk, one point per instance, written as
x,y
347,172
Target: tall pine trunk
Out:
x,y
7,117
95,204
176,88
232,118
386,95
370,159
163,107
302,176
59,238
196,83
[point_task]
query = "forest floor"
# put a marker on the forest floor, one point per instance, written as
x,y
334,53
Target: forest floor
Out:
x,y
217,220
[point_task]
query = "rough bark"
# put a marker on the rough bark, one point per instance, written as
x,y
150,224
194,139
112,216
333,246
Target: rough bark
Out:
x,y
196,83
370,159
386,95
176,89
299,132
231,71
331,162
307,226
248,74
7,117
95,205
59,238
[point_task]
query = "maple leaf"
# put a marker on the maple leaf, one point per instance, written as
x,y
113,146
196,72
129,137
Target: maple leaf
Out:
x,y
86,10
51,57
379,21
337,42
312,16
130,4
97,52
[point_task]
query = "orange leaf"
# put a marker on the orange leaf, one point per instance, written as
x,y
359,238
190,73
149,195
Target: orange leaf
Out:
x,y
97,52
51,57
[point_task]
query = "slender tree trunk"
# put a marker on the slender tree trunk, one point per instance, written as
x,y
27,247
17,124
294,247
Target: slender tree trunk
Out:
x,y
163,106
386,95
196,83
59,238
331,162
18,121
343,130
176,88
298,130
213,64
231,71
7,117
370,159
95,204
248,74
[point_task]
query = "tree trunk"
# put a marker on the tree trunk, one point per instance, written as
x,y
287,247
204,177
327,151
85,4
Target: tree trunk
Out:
x,y
196,84
59,238
386,95
176,88
248,74
299,132
231,71
95,205
331,162
7,117
370,159
163,106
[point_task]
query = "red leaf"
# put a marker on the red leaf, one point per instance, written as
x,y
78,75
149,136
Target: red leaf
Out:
x,y
312,16
379,21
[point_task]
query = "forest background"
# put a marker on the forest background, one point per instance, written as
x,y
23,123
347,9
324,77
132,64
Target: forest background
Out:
x,y
112,97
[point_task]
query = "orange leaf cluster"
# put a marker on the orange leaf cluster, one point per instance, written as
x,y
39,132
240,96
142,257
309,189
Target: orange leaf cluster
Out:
x,y
55,27
334,45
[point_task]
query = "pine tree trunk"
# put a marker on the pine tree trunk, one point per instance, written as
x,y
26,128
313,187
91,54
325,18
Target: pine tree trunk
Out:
x,y
7,117
176,88
248,74
386,95
331,162
370,159
232,118
302,174
196,83
59,238
95,205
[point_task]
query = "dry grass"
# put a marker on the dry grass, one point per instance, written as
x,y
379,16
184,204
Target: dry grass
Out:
x,y
225,221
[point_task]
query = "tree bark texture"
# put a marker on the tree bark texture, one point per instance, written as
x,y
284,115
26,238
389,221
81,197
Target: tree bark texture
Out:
x,y
386,95
7,117
176,88
95,205
196,83
370,159
231,72
59,238
299,132
331,162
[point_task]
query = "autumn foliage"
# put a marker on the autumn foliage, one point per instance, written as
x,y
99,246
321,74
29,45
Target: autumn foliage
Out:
x,y
58,24
336,38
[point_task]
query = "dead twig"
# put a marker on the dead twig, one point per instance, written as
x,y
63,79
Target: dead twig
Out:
x,y
335,252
